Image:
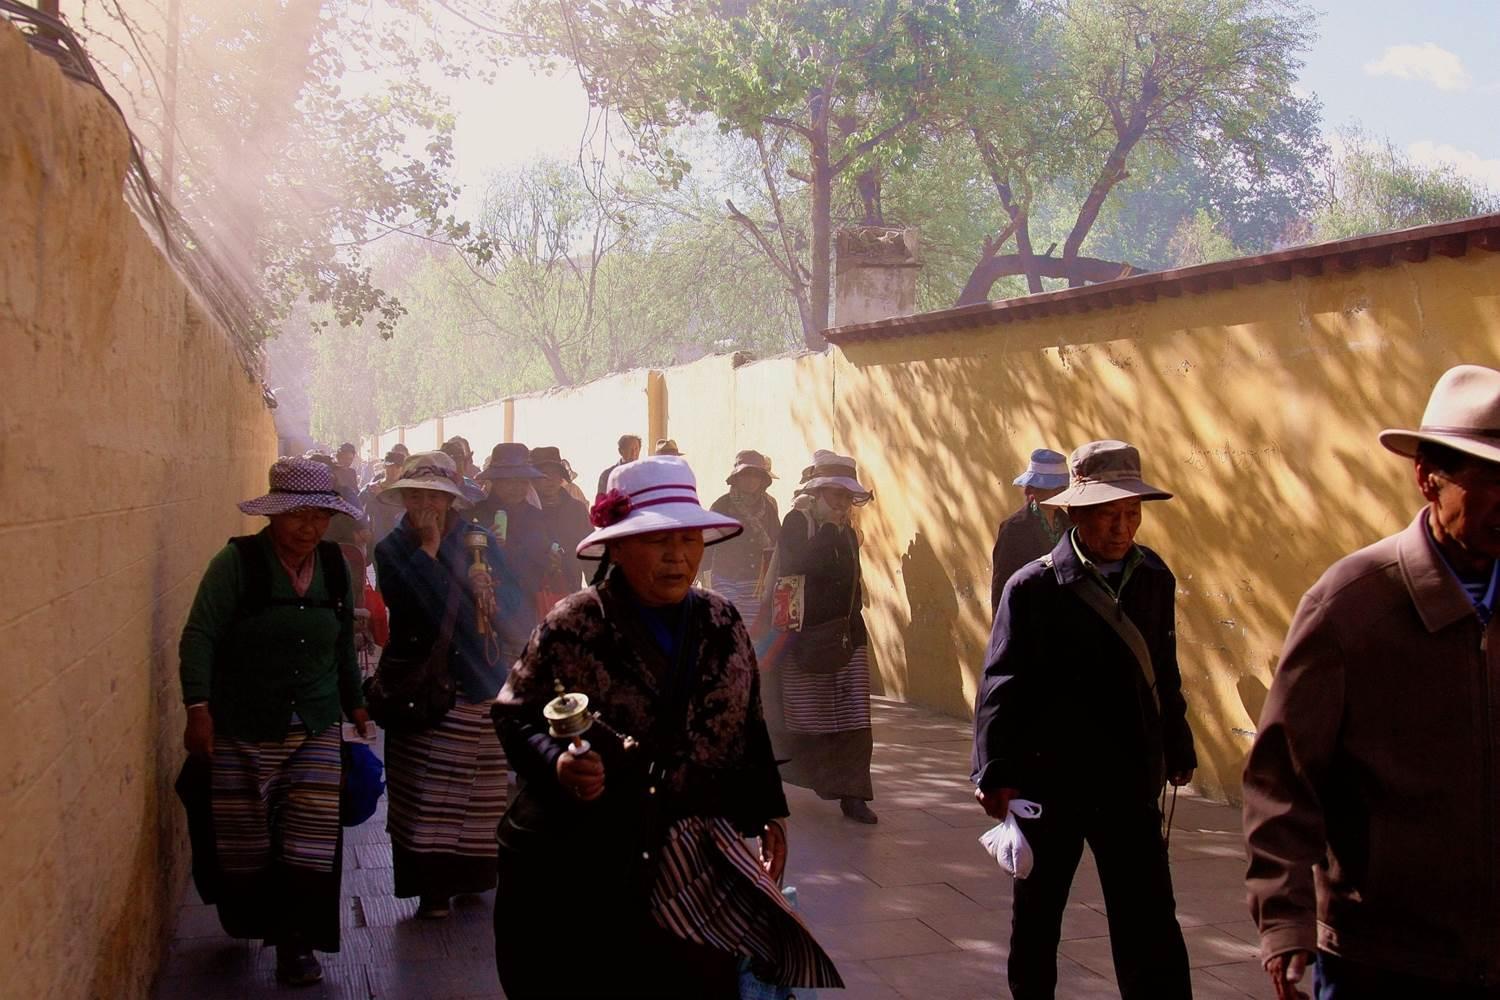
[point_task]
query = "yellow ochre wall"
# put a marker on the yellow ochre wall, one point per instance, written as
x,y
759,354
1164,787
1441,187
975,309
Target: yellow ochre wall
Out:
x,y
1257,405
130,431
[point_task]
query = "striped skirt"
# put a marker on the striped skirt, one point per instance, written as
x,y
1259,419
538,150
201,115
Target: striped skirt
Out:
x,y
711,890
740,593
277,837
447,792
818,704
284,794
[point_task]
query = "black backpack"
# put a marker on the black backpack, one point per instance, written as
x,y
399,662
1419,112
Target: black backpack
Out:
x,y
258,580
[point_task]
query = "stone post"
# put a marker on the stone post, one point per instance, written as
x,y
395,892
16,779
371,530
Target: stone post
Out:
x,y
875,274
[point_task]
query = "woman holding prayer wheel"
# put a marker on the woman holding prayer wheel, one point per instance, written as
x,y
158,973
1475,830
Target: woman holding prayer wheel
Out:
x,y
624,867
448,584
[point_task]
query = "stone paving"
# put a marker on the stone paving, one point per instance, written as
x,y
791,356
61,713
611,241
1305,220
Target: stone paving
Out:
x,y
911,908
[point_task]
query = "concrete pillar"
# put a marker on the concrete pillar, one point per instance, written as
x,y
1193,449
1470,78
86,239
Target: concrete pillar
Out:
x,y
875,274
508,430
658,414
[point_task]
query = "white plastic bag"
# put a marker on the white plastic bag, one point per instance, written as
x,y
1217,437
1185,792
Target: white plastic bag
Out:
x,y
1005,841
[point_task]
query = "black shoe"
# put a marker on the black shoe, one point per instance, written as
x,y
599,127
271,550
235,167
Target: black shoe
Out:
x,y
433,908
297,966
858,810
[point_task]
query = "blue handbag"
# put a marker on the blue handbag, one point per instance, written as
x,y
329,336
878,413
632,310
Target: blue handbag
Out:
x,y
363,784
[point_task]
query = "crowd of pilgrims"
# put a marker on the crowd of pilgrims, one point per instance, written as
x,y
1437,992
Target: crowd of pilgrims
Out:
x,y
657,608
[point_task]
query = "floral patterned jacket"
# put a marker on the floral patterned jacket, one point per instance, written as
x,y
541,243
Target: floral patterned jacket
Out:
x,y
717,762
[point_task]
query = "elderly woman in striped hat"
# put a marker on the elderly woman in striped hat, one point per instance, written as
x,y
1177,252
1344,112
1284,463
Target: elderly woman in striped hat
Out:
x,y
268,667
820,676
624,867
447,783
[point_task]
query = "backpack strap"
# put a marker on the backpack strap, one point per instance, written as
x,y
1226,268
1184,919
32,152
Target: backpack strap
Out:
x,y
256,597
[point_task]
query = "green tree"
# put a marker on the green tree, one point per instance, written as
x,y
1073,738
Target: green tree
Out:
x,y
825,90
1125,80
1370,187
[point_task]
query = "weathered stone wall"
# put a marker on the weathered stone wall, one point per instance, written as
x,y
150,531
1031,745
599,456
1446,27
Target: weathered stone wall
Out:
x,y
129,431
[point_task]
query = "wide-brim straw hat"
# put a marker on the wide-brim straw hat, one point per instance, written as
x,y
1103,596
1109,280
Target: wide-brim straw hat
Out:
x,y
511,460
297,483
1102,472
1463,413
428,470
750,461
654,494
1047,470
830,469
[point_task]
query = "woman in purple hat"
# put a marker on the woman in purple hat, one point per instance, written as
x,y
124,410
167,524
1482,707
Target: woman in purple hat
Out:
x,y
268,669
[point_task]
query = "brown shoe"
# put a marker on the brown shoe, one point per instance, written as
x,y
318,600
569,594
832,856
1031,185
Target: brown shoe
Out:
x,y
858,810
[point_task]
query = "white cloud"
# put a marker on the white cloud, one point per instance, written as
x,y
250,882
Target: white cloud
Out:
x,y
1465,161
1429,62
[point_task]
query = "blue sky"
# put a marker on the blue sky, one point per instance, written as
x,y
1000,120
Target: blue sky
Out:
x,y
1425,74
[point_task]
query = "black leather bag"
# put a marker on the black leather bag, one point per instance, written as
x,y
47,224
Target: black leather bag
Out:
x,y
411,694
825,648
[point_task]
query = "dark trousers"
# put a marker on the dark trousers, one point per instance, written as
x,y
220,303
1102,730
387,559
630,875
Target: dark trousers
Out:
x,y
1341,979
1151,961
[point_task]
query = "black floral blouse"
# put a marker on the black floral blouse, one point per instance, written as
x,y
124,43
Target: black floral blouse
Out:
x,y
717,762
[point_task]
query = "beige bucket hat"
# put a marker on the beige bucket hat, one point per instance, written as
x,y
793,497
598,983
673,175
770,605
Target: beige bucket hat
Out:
x,y
1104,471
427,470
1463,413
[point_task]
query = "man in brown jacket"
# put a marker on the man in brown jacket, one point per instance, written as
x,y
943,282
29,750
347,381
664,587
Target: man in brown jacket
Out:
x,y
1372,793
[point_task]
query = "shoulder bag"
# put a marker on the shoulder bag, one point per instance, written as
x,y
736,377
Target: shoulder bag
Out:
x,y
409,694
828,647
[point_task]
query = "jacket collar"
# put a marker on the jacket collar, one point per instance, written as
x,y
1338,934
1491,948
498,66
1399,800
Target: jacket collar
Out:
x,y
1439,597
642,656
1069,567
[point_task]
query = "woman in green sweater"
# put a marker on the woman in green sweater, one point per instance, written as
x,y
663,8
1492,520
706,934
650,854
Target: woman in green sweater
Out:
x,y
268,668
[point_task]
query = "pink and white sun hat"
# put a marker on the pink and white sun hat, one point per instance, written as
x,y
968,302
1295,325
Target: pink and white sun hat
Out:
x,y
659,493
297,483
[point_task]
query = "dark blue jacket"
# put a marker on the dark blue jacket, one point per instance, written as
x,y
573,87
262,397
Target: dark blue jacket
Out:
x,y
415,587
1063,708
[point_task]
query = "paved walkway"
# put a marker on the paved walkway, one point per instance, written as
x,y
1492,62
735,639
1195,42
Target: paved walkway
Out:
x,y
911,908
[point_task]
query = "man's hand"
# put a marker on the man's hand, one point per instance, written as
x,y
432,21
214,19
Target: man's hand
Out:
x,y
198,738
1286,971
773,850
581,776
1180,778
996,803
361,719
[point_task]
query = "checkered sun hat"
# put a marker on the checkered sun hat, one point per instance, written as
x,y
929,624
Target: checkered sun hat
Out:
x,y
298,483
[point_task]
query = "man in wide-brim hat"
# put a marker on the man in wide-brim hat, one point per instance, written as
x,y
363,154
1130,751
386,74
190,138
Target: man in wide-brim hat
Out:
x,y
1032,531
736,568
268,669
513,511
566,520
1372,788
1080,709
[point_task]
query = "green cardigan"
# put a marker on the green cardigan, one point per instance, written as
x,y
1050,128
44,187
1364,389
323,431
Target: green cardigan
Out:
x,y
255,672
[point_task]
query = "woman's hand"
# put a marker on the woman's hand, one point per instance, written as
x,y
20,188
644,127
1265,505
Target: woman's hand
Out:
x,y
1180,778
198,738
773,850
361,719
581,776
428,524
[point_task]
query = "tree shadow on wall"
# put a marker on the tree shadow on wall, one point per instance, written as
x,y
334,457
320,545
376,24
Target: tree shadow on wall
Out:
x,y
934,676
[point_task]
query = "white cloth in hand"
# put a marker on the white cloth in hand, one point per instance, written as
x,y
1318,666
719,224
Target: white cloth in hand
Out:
x,y
1007,844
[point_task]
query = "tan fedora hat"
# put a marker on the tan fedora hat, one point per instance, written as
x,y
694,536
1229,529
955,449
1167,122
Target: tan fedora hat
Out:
x,y
1103,471
1462,413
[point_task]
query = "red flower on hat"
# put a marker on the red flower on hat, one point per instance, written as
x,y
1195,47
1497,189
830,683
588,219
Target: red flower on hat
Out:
x,y
610,508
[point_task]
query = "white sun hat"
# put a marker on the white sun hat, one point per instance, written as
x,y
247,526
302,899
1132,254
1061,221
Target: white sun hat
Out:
x,y
654,494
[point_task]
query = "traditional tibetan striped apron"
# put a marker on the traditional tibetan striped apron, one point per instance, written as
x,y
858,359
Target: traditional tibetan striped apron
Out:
x,y
711,890
447,792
